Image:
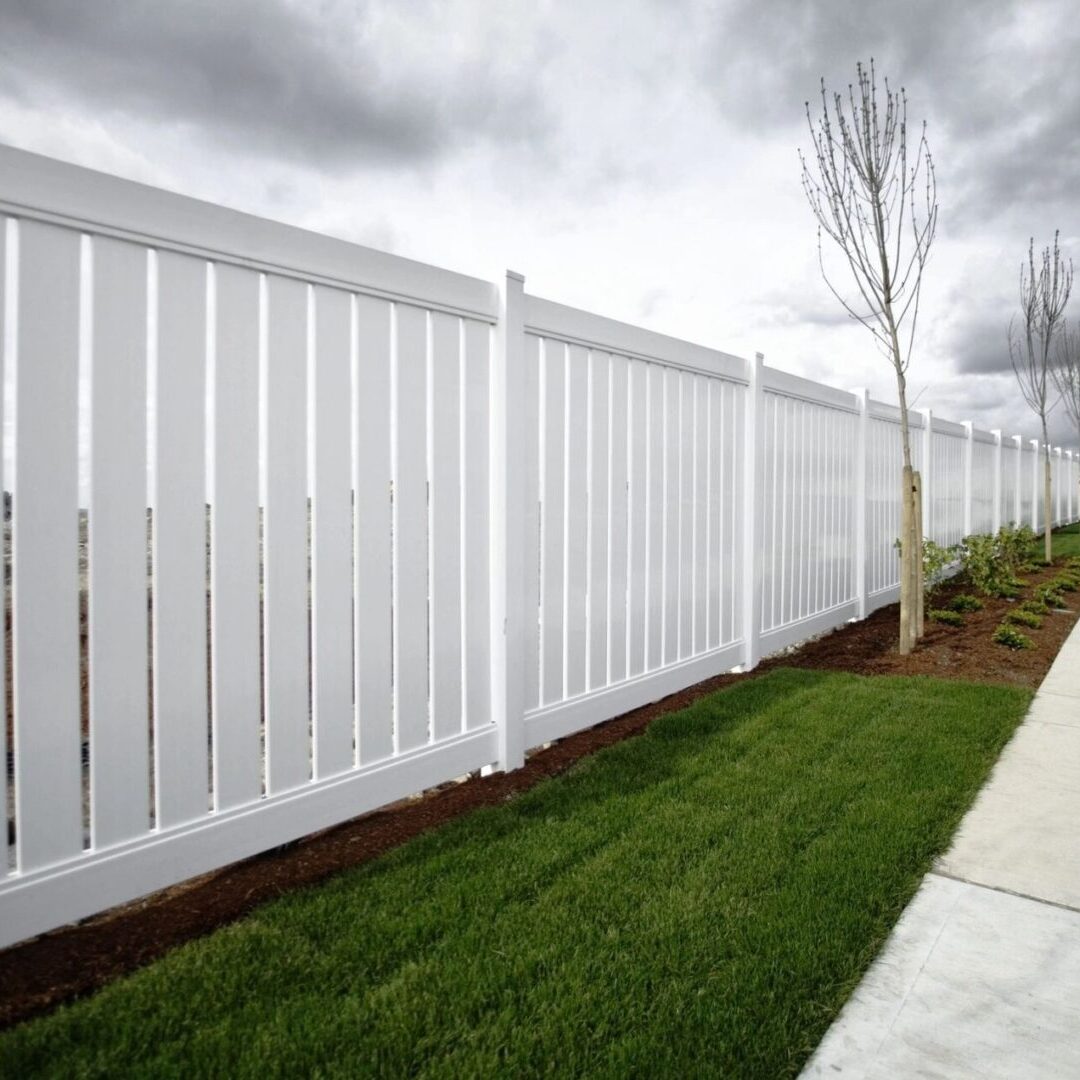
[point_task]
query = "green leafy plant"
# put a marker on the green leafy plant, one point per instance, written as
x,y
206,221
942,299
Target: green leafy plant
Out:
x,y
949,618
986,569
1050,596
1064,584
1012,638
1014,546
1036,607
936,561
965,602
1018,617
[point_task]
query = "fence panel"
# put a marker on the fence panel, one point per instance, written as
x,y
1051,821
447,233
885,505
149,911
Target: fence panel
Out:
x,y
983,455
282,429
947,482
1010,489
290,471
808,543
632,427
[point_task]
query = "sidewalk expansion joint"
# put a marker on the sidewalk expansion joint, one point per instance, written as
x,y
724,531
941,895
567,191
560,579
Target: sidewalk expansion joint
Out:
x,y
1002,889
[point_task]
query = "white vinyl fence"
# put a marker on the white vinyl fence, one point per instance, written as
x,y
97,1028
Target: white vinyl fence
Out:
x,y
355,526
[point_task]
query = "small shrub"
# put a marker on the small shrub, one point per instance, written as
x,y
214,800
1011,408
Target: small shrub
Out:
x,y
949,618
965,602
1036,607
1062,583
1012,638
1018,617
1013,543
1049,596
985,566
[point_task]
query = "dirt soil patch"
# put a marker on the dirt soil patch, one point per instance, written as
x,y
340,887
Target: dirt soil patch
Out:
x,y
72,962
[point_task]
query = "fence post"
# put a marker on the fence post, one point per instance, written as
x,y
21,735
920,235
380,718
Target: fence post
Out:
x,y
1070,485
1036,486
996,519
751,538
926,472
1018,486
862,596
508,516
969,473
1057,486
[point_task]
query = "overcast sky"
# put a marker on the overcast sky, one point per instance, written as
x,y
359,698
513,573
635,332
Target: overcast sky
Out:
x,y
637,158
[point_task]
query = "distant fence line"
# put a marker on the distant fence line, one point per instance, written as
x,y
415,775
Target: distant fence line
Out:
x,y
450,521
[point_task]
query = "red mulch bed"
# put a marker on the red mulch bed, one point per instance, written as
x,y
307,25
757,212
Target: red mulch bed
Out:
x,y
72,962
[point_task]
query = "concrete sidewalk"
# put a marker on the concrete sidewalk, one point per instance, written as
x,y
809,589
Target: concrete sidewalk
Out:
x,y
981,976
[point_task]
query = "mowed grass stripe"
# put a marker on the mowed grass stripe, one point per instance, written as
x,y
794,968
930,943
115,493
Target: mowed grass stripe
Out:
x,y
699,900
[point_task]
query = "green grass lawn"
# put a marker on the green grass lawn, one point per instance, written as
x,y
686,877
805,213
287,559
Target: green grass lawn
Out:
x,y
697,901
1067,541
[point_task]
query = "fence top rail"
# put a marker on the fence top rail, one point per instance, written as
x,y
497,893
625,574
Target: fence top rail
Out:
x,y
545,318
980,436
37,187
949,427
795,386
879,410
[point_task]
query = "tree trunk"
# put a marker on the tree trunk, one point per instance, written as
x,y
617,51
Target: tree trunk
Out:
x,y
1047,514
907,561
910,561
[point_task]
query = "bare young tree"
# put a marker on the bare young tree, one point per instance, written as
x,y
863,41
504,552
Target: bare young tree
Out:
x,y
1066,372
1044,292
879,207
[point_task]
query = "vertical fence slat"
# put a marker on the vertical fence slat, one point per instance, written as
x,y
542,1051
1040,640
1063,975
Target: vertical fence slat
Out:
x,y
700,587
119,714
234,563
531,545
576,517
410,532
181,778
718,434
805,474
478,364
686,514
620,520
731,514
672,500
787,458
371,476
639,522
285,534
768,507
45,585
331,535
554,397
656,517
446,638
8,271
598,519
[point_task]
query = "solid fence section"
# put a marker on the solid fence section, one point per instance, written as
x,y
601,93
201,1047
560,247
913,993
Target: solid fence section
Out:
x,y
299,528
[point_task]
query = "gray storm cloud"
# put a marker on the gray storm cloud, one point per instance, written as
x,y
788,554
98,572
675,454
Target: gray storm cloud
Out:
x,y
299,83
998,83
